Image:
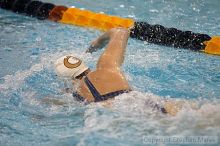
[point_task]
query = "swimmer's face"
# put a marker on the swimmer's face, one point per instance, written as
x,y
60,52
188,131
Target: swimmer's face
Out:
x,y
79,77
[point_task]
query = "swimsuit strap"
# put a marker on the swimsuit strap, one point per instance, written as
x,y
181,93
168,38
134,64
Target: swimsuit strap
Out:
x,y
113,94
93,90
98,97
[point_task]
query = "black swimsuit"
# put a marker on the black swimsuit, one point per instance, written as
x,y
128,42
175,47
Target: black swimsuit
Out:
x,y
98,97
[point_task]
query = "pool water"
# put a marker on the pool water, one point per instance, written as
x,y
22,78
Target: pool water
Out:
x,y
29,47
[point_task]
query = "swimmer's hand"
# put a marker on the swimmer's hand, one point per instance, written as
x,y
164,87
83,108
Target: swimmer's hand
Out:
x,y
101,41
91,49
97,44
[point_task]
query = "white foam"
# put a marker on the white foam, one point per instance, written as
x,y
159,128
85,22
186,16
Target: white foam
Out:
x,y
121,6
154,11
133,108
13,82
131,16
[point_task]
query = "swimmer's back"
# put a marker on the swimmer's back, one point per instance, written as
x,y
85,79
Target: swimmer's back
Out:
x,y
105,81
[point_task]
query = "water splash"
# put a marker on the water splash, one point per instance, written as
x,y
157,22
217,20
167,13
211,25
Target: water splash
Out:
x,y
13,82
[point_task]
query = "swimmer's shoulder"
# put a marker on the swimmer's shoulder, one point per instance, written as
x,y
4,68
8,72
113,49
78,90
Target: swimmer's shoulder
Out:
x,y
114,77
105,82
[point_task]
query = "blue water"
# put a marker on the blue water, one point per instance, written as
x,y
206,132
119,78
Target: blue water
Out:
x,y
29,47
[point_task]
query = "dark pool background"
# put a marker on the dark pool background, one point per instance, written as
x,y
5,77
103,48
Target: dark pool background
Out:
x,y
29,47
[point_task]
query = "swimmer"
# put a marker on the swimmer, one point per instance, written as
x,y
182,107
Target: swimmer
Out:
x,y
107,81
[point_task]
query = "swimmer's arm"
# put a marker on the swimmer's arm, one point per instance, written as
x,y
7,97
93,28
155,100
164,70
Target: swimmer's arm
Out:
x,y
99,43
113,56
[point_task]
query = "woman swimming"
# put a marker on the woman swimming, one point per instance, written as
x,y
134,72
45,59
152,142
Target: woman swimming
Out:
x,y
107,81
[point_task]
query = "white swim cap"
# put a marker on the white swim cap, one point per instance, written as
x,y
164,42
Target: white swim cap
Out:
x,y
70,66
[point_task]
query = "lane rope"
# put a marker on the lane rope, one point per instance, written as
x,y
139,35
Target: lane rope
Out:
x,y
156,34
